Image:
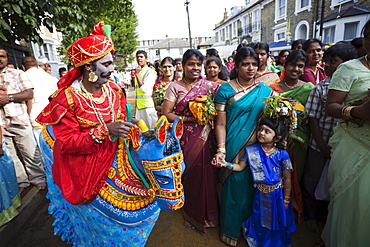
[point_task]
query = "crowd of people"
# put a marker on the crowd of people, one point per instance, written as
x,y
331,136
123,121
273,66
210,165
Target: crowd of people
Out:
x,y
268,172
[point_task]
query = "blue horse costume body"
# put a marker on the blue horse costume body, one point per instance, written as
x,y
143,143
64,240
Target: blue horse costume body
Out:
x,y
127,207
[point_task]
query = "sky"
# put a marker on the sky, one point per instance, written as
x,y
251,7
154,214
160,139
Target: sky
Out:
x,y
158,18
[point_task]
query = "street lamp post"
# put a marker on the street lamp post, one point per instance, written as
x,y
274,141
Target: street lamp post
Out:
x,y
187,11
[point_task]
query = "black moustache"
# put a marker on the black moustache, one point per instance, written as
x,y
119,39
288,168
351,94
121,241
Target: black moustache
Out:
x,y
105,75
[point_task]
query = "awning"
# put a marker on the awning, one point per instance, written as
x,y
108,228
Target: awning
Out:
x,y
280,44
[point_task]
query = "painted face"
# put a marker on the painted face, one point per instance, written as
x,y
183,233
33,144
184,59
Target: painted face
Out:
x,y
262,54
3,59
247,69
141,60
213,69
168,69
283,58
294,70
104,68
266,135
314,53
331,64
193,68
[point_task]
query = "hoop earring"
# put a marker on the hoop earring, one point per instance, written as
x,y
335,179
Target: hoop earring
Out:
x,y
93,77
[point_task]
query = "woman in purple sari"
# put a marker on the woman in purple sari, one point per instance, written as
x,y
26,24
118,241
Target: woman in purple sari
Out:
x,y
201,209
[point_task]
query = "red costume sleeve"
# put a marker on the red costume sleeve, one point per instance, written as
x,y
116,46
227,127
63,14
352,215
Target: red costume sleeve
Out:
x,y
80,164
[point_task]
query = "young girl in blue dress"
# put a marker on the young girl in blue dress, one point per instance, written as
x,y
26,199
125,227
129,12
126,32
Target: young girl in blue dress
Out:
x,y
272,221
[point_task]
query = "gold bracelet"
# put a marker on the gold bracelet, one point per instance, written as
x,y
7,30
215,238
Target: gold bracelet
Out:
x,y
285,201
347,112
221,144
343,111
221,150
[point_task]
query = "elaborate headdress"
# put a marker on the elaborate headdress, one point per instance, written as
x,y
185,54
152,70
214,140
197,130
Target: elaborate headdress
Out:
x,y
93,47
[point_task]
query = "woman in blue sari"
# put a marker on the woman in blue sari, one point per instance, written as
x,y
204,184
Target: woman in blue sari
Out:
x,y
239,104
10,198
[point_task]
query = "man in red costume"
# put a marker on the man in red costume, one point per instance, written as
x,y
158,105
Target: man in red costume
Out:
x,y
86,112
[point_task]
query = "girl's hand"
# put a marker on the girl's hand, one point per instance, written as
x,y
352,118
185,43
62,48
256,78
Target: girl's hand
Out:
x,y
286,205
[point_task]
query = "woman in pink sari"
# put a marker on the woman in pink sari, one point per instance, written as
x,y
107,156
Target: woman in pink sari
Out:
x,y
201,209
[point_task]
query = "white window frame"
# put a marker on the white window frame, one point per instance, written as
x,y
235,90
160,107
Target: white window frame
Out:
x,y
301,23
227,32
256,18
344,29
246,24
331,34
277,8
335,3
299,8
235,29
279,31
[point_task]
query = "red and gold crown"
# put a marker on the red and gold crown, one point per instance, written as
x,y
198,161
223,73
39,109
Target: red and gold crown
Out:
x,y
90,48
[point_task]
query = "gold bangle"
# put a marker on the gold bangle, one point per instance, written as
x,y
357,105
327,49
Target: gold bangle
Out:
x,y
221,150
285,201
343,111
220,144
347,112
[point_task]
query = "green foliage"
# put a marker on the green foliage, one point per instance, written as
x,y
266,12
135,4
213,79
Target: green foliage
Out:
x,y
21,19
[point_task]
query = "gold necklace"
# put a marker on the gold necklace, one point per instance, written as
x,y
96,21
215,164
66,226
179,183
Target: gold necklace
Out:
x,y
189,84
290,87
244,89
271,150
97,112
97,100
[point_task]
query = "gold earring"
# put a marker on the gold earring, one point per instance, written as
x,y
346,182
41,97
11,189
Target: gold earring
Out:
x,y
93,77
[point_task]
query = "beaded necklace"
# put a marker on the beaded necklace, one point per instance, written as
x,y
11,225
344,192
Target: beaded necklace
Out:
x,y
93,105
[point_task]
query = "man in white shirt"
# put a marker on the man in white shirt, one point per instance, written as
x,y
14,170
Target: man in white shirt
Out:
x,y
43,86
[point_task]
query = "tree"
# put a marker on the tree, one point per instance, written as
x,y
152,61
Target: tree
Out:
x,y
21,19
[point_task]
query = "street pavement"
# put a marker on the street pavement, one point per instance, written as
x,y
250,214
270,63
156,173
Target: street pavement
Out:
x,y
169,230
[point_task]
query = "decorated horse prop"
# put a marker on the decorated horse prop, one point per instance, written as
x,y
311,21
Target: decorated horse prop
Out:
x,y
128,204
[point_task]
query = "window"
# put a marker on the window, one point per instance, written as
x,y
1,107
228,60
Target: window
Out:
x,y
46,52
255,20
329,34
350,30
227,33
302,32
157,52
247,2
304,3
234,29
280,36
337,2
246,25
281,8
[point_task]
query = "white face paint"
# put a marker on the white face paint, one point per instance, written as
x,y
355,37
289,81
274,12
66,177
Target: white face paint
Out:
x,y
104,68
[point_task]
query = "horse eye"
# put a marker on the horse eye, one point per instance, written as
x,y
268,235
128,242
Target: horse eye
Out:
x,y
162,181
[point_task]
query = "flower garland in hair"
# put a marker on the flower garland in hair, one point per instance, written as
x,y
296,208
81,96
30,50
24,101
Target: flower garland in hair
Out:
x,y
290,111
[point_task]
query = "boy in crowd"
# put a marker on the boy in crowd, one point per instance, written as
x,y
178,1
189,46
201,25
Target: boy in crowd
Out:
x,y
321,129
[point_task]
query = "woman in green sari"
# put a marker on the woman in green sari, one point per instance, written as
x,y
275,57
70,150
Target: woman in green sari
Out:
x,y
298,90
348,220
239,104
